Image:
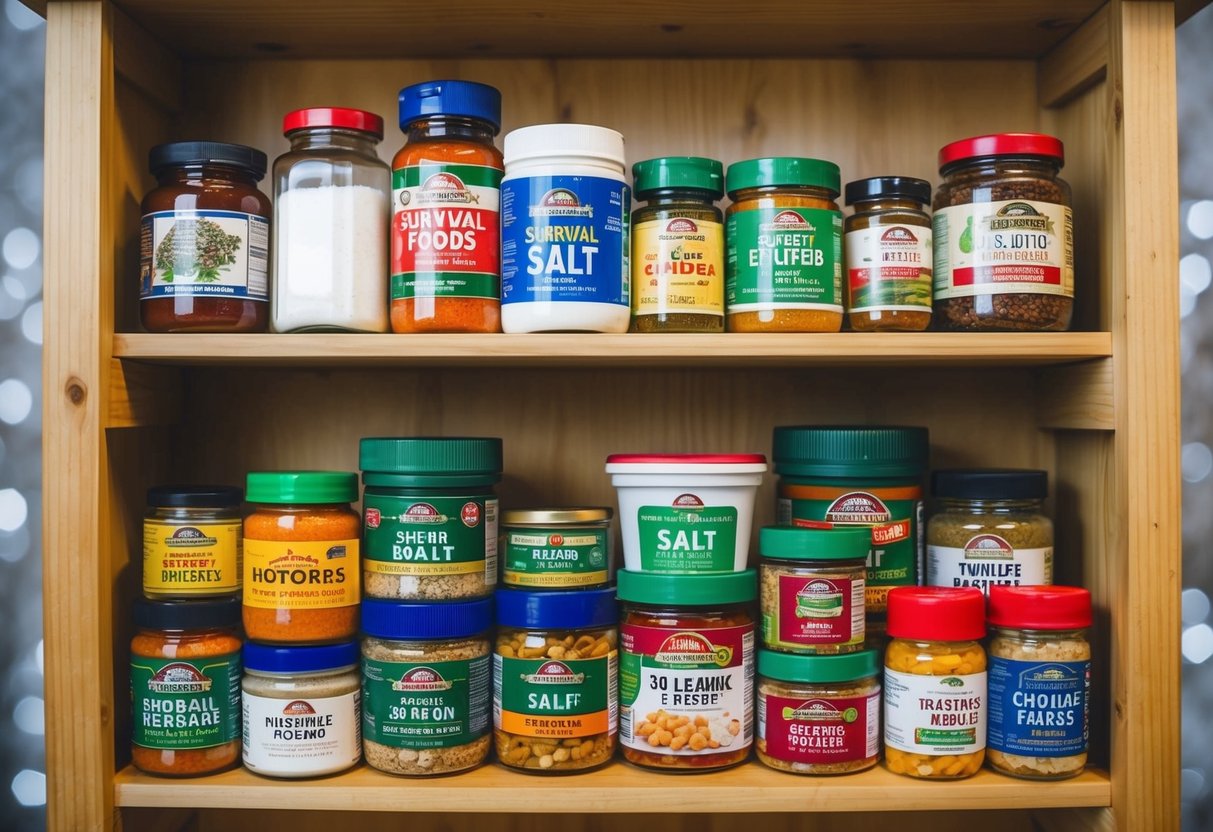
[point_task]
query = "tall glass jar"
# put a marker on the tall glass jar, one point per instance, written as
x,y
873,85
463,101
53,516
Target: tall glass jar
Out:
x,y
331,197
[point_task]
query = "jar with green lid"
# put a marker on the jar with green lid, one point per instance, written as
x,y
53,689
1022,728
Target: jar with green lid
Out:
x,y
430,517
193,541
556,548
783,239
813,588
819,714
678,246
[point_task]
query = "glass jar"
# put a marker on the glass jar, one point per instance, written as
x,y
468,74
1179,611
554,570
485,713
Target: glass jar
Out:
x,y
427,681
185,686
1004,235
558,548
935,706
819,714
784,246
301,564
678,246
1040,680
430,517
446,198
989,529
204,245
192,541
889,254
554,705
301,707
331,197
686,680
813,588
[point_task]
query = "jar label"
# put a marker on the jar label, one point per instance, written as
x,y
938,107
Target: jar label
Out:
x,y
687,537
1039,709
185,703
784,258
678,267
821,730
547,558
204,254
935,715
1007,247
811,611
565,238
556,699
889,268
310,735
301,574
686,692
430,536
425,704
989,560
446,237
191,558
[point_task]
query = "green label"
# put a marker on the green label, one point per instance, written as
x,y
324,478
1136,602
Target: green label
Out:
x,y
425,705
543,557
687,539
445,285
445,189
430,536
784,258
547,687
185,703
940,736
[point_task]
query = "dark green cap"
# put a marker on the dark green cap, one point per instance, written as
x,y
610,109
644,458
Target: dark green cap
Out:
x,y
825,451
688,590
679,172
302,487
796,543
786,171
790,667
430,461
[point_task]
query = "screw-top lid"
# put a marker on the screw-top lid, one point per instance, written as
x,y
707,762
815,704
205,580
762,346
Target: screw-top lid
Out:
x,y
1002,144
788,171
177,154
690,172
270,659
569,610
564,516
338,117
466,99
432,461
404,622
195,496
286,487
686,464
826,451
577,140
937,613
845,667
203,614
688,590
889,187
990,484
1040,607
796,543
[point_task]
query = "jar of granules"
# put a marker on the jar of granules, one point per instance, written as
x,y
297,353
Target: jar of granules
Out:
x,y
430,517
559,548
818,714
783,246
185,686
1004,235
192,541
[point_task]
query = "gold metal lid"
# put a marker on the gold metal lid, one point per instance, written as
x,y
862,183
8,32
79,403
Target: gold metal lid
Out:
x,y
555,516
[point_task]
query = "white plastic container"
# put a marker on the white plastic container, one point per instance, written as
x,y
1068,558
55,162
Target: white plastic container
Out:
x,y
565,225
686,514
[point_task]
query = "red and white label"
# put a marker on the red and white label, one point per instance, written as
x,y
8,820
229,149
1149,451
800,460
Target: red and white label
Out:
x,y
821,730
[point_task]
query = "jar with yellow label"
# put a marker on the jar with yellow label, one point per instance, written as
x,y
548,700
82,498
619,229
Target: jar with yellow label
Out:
x,y
192,541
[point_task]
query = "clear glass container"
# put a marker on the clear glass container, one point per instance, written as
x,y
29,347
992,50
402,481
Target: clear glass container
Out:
x,y
192,541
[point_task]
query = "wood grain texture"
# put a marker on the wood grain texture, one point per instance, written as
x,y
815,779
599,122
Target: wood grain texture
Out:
x,y
1078,397
146,63
142,394
1076,63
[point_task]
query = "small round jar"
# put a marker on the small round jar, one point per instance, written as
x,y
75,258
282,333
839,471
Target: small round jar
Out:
x,y
556,548
819,714
193,541
935,665
686,685
813,589
1040,678
426,686
301,707
554,708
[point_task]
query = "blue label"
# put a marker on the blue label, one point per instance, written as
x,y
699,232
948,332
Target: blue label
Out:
x,y
1038,709
565,238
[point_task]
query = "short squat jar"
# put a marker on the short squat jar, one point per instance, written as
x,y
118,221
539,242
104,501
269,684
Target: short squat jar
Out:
x,y
556,548
193,541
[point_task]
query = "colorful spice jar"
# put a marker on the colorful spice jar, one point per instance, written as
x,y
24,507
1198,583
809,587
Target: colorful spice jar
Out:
x,y
192,541
301,562
686,673
185,686
557,548
430,517
555,702
783,246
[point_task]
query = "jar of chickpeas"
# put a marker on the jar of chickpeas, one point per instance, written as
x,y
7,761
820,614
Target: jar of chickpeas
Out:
x,y
935,682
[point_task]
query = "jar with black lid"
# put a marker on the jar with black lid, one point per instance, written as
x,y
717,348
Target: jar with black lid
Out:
x,y
193,541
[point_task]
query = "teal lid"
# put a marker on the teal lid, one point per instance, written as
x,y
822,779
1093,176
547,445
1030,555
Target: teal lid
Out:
x,y
778,171
791,667
430,461
287,487
828,451
688,590
797,543
679,172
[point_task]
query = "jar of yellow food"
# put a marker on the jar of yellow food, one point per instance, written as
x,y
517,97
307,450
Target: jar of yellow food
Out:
x,y
935,683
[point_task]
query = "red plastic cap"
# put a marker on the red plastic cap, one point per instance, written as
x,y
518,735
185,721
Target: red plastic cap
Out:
x,y
1003,144
1040,607
689,459
342,117
937,613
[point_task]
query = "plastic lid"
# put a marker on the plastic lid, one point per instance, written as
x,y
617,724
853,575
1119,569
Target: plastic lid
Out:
x,y
679,172
1002,144
476,457
778,171
937,613
990,484
467,99
204,614
195,496
889,187
270,659
796,543
1040,607
688,590
827,451
340,117
288,487
844,667
176,154
523,516
547,140
403,622
686,459
568,610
